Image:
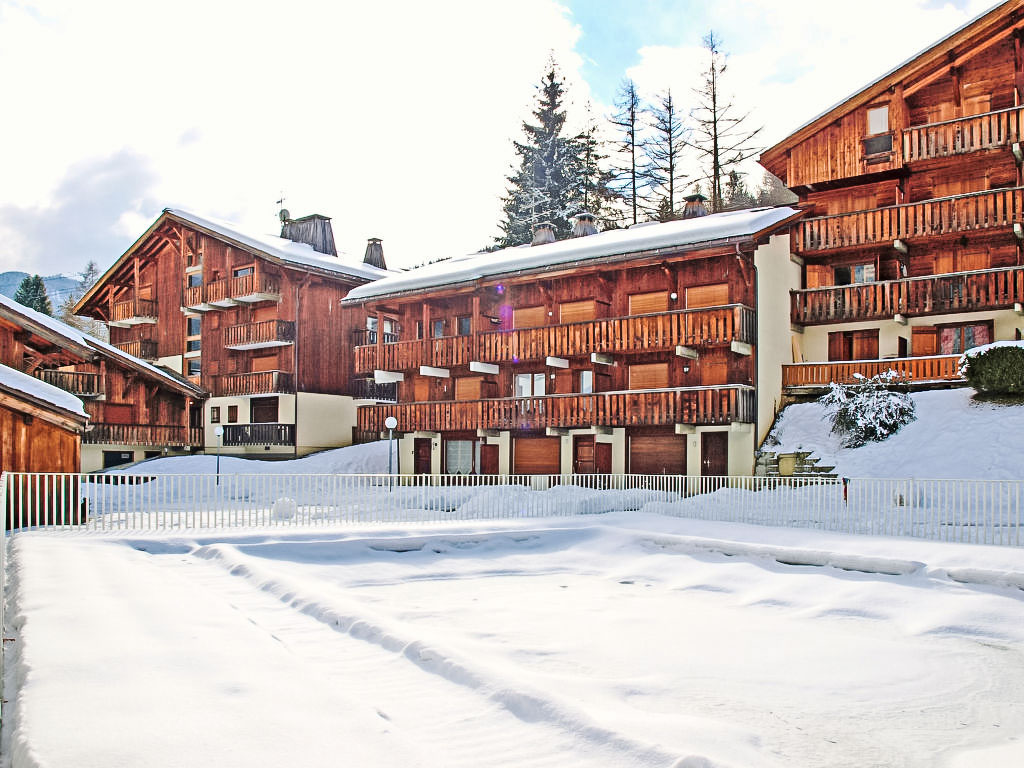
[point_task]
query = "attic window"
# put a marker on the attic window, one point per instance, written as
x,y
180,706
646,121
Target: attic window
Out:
x,y
879,138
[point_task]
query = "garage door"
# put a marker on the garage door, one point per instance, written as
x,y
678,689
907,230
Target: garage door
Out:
x,y
657,454
536,456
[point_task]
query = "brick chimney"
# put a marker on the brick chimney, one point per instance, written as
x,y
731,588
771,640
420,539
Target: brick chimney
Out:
x,y
584,225
313,230
694,206
374,253
543,233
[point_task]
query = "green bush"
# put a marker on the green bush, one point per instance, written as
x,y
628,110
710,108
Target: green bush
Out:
x,y
995,369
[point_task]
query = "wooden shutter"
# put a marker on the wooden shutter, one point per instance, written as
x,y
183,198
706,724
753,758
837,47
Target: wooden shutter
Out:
x,y
468,388
529,317
818,276
968,261
924,341
646,303
714,367
577,311
648,376
707,295
657,454
865,345
264,363
537,456
837,346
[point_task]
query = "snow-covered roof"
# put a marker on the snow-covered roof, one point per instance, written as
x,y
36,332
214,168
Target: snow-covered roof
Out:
x,y
644,238
73,335
36,389
165,375
287,251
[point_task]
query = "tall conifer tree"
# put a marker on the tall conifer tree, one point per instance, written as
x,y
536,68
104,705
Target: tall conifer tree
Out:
x,y
32,293
663,149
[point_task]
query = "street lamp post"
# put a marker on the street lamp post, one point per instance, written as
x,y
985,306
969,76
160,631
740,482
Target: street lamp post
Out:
x,y
219,432
390,422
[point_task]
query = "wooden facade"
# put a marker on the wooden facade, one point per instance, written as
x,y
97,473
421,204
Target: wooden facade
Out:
x,y
915,204
238,317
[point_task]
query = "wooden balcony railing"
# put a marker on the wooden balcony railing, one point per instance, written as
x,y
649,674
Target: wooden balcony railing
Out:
x,y
259,434
912,370
142,434
144,349
134,311
942,215
368,389
259,383
267,333
933,295
634,334
194,297
962,135
255,287
651,407
81,384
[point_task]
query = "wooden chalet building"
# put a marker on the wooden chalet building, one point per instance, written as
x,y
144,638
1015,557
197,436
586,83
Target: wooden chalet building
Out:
x,y
254,323
911,247
136,410
633,350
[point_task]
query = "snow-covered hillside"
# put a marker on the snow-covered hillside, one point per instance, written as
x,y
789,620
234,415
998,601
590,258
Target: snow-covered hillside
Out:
x,y
953,436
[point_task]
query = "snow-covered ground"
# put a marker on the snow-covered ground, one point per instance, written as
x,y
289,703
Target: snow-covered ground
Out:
x,y
625,639
953,436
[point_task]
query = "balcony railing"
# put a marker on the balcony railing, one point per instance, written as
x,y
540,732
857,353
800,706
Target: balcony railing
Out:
x,y
259,434
175,436
962,135
633,334
932,295
942,215
259,383
254,288
267,333
368,389
652,407
222,294
81,384
363,336
912,370
133,312
144,349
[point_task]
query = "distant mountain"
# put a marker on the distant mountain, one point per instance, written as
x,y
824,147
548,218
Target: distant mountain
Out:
x,y
58,287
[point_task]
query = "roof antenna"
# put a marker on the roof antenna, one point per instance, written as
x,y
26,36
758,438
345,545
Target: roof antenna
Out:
x,y
283,214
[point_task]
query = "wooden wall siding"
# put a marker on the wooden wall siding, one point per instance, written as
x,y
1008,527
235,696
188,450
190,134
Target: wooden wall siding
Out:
x,y
940,294
837,152
82,384
252,335
957,213
259,383
963,135
625,335
172,435
701,406
38,446
911,370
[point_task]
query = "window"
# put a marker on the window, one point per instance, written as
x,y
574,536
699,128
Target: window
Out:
x,y
464,325
195,279
194,368
437,328
586,382
855,273
878,120
954,339
529,384
458,456
192,345
263,410
215,414
242,271
232,414
193,325
390,328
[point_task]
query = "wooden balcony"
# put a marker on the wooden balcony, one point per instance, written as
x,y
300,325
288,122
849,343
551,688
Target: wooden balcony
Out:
x,y
143,349
963,135
194,299
172,436
80,384
652,407
986,289
268,333
133,312
912,370
259,434
625,335
368,389
259,383
254,288
990,209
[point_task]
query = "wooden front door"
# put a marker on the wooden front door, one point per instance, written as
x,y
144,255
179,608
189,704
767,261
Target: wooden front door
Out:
x,y
489,459
714,454
583,460
421,456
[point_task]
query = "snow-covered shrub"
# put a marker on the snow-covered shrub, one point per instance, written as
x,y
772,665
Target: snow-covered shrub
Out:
x,y
868,411
996,368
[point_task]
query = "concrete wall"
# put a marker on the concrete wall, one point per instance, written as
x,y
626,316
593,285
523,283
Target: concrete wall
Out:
x,y
92,454
777,273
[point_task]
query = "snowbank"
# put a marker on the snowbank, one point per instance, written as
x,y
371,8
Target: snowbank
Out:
x,y
954,436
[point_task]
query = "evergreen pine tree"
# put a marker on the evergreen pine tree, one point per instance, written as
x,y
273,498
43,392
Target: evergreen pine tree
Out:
x,y
735,195
721,137
663,168
628,181
547,184
32,293
773,192
65,312
596,178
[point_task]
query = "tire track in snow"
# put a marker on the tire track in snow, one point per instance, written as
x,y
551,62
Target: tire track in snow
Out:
x,y
465,716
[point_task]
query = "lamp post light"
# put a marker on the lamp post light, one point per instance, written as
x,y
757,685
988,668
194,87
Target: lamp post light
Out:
x,y
219,432
390,422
